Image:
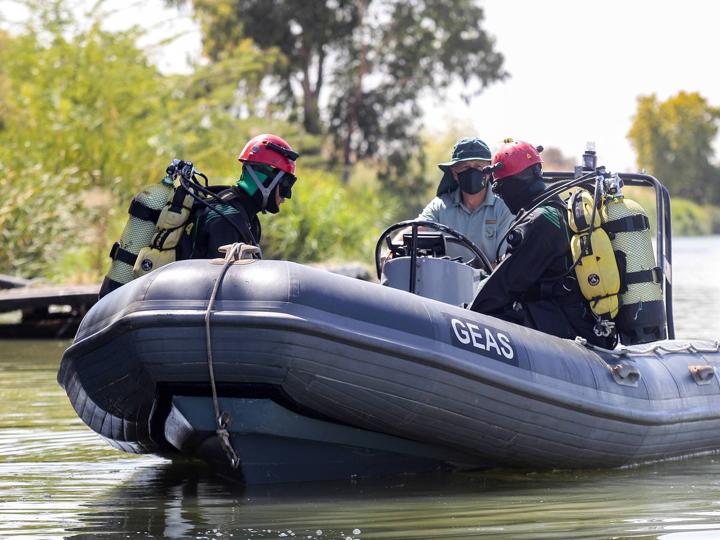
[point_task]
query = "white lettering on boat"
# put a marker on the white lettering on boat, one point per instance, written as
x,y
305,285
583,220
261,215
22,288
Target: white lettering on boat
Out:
x,y
507,349
475,335
483,339
460,333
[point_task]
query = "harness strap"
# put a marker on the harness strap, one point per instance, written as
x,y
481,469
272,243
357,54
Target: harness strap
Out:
x,y
119,254
141,211
637,222
176,205
643,276
229,196
158,241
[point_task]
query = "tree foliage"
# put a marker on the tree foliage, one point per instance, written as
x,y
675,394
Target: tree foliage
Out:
x,y
356,69
673,140
86,121
77,113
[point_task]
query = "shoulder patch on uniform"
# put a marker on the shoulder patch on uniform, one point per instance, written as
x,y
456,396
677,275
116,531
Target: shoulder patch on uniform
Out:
x,y
224,209
551,214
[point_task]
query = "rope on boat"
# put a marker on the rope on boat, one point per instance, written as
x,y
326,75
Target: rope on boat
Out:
x,y
223,418
657,348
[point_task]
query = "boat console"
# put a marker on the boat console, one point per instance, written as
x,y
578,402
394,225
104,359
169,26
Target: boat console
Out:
x,y
439,263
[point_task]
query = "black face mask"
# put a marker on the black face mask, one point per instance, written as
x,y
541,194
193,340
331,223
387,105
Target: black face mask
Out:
x,y
471,181
518,193
285,185
272,205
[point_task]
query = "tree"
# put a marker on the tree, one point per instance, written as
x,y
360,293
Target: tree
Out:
x,y
77,111
673,141
304,33
86,120
357,69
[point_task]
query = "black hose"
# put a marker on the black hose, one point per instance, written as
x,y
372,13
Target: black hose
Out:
x,y
185,184
535,203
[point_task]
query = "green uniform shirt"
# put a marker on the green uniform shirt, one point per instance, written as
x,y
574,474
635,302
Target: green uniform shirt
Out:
x,y
485,226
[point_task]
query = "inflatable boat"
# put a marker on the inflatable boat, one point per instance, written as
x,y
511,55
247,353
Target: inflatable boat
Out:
x,y
274,372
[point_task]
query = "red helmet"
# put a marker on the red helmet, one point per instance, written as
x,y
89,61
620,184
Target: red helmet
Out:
x,y
270,150
515,156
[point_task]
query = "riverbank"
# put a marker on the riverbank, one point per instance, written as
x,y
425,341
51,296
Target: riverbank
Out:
x,y
688,218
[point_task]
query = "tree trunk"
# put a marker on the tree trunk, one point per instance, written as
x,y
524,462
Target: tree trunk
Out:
x,y
357,98
311,109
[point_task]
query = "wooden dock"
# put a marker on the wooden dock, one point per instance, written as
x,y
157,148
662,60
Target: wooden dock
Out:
x,y
31,309
44,311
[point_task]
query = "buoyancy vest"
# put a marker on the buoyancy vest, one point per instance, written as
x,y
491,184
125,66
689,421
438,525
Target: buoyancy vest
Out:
x,y
615,266
168,230
595,265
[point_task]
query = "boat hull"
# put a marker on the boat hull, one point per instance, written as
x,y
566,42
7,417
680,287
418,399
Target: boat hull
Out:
x,y
463,388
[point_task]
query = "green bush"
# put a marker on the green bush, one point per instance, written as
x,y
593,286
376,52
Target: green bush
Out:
x,y
714,215
327,220
688,218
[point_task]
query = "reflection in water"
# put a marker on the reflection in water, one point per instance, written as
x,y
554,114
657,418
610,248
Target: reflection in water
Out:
x,y
60,480
177,501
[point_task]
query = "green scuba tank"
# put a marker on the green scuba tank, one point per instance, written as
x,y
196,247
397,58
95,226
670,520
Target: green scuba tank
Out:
x,y
144,212
641,318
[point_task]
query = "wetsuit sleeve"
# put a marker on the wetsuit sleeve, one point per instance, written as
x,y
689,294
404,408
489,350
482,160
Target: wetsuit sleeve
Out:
x,y
432,211
544,239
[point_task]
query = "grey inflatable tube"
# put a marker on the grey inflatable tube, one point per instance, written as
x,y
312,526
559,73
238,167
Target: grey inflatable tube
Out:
x,y
386,362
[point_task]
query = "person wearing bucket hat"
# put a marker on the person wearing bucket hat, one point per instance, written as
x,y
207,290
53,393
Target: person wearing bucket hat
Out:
x,y
464,203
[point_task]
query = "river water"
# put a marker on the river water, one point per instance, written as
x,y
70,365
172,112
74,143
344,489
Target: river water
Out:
x,y
59,480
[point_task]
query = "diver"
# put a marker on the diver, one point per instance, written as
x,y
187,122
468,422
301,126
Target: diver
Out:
x,y
534,285
179,218
463,201
266,181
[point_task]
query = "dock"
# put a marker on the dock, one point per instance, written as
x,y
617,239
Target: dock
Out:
x,y
31,309
42,311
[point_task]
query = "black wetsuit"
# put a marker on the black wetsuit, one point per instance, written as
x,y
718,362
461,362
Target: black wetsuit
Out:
x,y
210,230
532,286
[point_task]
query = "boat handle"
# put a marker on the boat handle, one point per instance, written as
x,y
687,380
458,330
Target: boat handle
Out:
x,y
242,254
703,374
626,375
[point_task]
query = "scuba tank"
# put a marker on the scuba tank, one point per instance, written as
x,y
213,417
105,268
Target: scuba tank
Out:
x,y
160,250
641,318
144,212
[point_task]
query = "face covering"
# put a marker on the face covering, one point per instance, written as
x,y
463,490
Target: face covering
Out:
x,y
471,181
518,193
266,181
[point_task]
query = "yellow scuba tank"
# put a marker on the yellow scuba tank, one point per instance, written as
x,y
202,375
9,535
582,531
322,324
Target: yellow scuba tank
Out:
x,y
170,225
596,268
641,318
144,212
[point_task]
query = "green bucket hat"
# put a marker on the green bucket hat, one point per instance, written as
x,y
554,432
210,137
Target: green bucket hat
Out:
x,y
466,149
